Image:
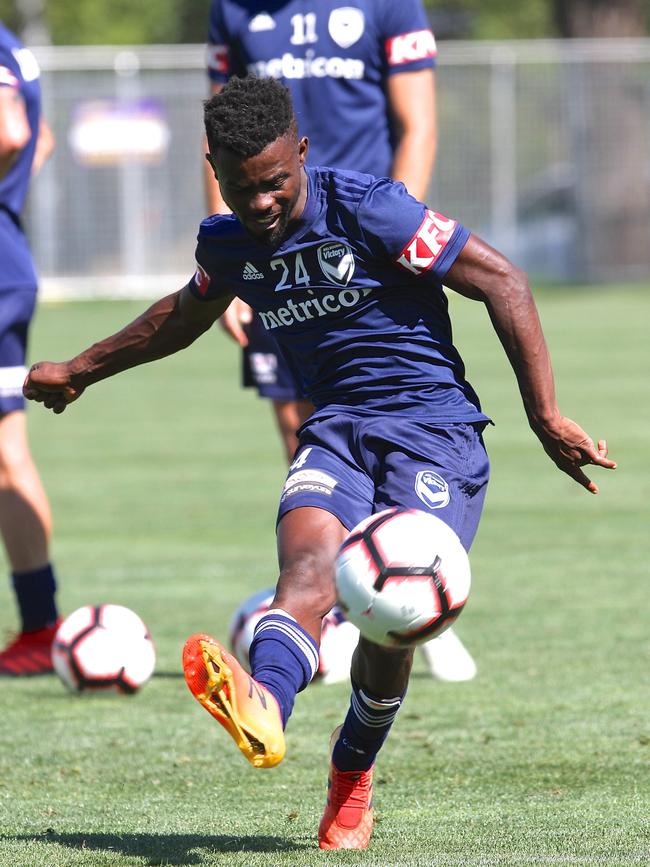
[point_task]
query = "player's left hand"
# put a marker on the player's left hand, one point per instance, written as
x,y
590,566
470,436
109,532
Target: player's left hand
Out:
x,y
235,318
571,448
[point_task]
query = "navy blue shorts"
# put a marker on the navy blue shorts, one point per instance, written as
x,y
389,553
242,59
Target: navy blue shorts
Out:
x,y
16,310
17,301
266,368
355,466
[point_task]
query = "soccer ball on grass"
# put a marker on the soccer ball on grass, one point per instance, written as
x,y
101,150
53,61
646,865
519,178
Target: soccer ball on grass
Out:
x,y
103,647
402,577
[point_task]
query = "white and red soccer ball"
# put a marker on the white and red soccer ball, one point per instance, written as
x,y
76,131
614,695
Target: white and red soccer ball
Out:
x,y
103,647
402,577
339,637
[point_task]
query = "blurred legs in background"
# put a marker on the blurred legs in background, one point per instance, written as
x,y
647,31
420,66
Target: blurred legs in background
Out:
x,y
25,525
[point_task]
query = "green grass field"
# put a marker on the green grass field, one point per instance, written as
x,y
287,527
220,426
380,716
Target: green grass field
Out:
x,y
164,485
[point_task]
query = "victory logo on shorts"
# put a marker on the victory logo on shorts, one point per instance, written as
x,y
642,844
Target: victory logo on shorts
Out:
x,y
432,489
427,244
336,261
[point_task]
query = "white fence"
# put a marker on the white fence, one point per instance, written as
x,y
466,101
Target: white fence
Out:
x,y
544,150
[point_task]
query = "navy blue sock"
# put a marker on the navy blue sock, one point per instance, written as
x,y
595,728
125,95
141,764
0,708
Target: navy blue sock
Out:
x,y
365,729
35,594
283,657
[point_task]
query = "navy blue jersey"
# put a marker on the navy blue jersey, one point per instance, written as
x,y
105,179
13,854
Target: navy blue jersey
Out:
x,y
353,294
334,58
19,70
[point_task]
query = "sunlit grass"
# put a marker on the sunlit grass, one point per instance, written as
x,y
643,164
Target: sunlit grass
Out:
x,y
164,485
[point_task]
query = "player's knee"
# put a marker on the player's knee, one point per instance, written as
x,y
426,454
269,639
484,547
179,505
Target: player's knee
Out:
x,y
307,585
382,670
15,461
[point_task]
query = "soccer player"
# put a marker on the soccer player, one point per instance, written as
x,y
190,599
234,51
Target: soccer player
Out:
x,y
25,523
352,272
362,82
363,88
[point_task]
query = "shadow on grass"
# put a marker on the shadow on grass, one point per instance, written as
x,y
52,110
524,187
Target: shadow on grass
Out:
x,y
161,849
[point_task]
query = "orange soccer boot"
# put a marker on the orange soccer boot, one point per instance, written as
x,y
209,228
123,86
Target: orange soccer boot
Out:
x,y
245,708
348,817
29,653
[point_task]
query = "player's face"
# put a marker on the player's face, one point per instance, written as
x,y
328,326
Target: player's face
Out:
x,y
266,192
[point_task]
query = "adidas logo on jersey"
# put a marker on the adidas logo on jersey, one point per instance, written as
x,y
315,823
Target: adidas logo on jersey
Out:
x,y
250,272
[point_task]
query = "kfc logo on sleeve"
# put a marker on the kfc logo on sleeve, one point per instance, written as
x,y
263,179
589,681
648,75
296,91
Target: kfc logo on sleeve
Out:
x,y
409,47
7,77
201,280
218,59
427,244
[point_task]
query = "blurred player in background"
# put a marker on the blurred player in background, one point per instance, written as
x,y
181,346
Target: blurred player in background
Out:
x,y
363,87
25,523
394,412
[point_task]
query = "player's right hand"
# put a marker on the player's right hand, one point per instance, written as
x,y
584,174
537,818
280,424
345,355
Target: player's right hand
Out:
x,y
571,448
236,316
50,383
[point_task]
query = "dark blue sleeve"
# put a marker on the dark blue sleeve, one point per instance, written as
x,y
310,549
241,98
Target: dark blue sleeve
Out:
x,y
204,284
10,75
407,233
409,43
218,47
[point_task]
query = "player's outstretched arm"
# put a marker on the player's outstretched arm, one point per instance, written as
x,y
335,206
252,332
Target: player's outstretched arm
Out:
x,y
168,326
482,273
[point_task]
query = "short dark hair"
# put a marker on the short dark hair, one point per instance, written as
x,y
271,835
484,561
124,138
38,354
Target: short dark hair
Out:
x,y
248,114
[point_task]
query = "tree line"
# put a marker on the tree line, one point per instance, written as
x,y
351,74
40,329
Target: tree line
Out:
x,y
120,22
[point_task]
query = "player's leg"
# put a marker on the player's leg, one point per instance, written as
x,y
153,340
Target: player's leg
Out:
x,y
322,497
416,467
379,678
284,650
451,484
325,494
254,709
25,521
